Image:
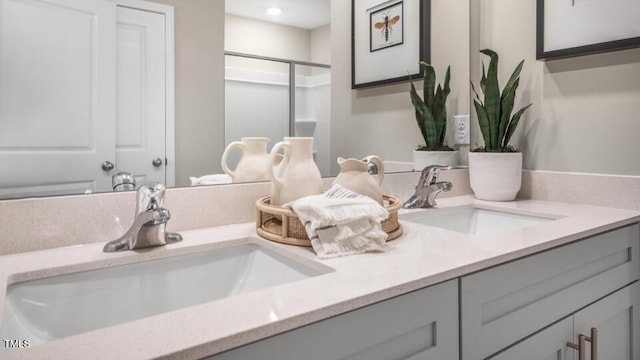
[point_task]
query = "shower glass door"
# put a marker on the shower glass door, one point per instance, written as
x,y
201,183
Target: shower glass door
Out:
x,y
313,111
256,101
274,98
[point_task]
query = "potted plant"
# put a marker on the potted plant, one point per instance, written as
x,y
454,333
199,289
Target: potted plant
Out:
x,y
431,116
495,170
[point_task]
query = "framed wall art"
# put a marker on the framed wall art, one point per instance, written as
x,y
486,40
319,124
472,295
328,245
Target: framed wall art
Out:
x,y
567,28
388,39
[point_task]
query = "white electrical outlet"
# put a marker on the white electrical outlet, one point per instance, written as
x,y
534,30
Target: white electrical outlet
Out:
x,y
461,129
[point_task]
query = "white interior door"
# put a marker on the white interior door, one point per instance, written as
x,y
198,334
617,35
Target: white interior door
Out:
x,y
57,96
141,104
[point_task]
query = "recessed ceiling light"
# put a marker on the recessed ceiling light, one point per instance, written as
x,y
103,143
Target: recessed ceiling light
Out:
x,y
274,11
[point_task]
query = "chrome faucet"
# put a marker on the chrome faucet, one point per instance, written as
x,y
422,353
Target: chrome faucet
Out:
x,y
123,181
148,228
428,188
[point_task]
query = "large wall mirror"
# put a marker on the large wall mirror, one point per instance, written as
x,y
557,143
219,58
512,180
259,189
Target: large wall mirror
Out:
x,y
160,88
277,58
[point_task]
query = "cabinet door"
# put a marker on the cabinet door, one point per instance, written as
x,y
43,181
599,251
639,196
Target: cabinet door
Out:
x,y
57,96
617,320
548,344
422,325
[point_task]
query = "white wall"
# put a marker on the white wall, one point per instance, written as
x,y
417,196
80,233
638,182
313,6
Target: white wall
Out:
x,y
586,110
381,120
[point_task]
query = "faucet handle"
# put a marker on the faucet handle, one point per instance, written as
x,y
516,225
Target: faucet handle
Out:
x,y
430,173
150,197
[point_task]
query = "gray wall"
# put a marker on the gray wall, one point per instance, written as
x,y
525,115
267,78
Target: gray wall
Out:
x,y
199,71
584,119
262,38
586,110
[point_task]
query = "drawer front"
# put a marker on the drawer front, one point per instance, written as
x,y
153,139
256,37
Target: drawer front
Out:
x,y
405,327
504,304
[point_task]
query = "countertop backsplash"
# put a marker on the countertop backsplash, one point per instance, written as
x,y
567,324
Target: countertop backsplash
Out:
x,y
618,191
44,223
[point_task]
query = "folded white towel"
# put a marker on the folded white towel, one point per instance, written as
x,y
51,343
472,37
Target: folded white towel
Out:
x,y
212,179
341,222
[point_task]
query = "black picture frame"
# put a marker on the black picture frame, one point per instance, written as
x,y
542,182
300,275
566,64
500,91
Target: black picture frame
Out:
x,y
424,46
541,54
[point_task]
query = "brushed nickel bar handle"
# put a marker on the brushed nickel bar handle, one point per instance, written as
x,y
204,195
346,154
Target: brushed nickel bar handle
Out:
x,y
579,346
593,339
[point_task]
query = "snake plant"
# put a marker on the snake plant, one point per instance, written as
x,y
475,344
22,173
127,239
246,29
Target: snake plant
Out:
x,y
494,113
431,113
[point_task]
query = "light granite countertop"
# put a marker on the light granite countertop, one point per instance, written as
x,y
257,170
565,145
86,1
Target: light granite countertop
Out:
x,y
421,257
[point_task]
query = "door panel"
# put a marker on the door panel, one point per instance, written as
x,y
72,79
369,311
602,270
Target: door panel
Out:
x,y
141,110
57,95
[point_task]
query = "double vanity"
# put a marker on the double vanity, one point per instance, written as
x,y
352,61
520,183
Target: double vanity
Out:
x,y
467,280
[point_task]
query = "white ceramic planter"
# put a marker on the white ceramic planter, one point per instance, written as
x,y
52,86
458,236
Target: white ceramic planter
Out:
x,y
495,176
421,159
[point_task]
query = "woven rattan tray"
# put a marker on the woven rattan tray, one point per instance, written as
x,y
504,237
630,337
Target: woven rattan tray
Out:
x,y
280,224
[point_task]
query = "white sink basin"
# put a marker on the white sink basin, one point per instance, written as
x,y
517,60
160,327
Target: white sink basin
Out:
x,y
46,309
474,221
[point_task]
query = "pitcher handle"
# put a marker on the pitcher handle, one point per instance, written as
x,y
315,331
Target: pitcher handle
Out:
x,y
277,179
225,154
376,160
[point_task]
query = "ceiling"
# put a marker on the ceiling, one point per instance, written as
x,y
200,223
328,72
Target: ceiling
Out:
x,y
305,14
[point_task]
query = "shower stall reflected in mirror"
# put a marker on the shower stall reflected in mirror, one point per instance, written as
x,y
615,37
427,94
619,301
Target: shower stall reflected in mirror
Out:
x,y
274,98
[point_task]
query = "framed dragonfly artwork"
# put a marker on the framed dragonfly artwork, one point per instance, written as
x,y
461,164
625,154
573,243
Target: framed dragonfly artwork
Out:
x,y
388,39
387,27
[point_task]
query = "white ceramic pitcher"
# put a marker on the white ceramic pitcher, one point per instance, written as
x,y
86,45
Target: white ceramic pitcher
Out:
x,y
296,175
254,163
354,175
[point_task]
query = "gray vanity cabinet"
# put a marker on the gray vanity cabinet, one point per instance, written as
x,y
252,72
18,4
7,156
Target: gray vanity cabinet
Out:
x,y
614,318
527,309
421,325
505,304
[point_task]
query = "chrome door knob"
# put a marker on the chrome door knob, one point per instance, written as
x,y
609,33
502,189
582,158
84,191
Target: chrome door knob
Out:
x,y
108,166
157,162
